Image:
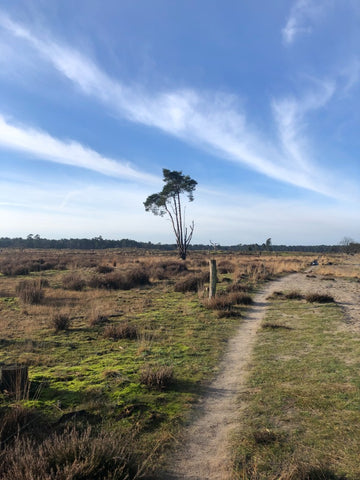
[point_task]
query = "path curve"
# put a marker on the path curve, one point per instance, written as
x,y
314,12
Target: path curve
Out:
x,y
204,454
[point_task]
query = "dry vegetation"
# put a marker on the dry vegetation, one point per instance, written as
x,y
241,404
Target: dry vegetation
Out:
x,y
127,338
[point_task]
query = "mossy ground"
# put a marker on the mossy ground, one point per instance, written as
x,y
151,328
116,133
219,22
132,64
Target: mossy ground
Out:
x,y
81,370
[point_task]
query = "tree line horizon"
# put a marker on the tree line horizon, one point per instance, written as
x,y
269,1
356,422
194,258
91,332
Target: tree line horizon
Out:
x,y
99,243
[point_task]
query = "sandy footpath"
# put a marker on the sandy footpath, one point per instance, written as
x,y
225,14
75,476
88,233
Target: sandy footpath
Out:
x,y
204,450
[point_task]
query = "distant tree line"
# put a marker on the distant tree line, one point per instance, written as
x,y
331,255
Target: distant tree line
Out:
x,y
96,243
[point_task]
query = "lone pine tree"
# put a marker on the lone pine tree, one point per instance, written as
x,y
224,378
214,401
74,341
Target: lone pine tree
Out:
x,y
168,201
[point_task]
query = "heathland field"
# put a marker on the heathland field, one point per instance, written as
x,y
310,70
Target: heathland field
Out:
x,y
121,345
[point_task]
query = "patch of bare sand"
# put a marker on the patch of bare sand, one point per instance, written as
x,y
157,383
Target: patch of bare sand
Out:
x,y
203,452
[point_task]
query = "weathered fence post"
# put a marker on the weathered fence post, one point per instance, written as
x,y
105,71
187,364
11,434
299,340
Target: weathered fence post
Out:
x,y
14,379
213,278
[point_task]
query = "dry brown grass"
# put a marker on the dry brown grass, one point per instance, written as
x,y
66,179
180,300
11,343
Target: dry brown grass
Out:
x,y
157,377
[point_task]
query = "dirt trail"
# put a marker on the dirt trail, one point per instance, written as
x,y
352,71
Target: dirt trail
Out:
x,y
204,453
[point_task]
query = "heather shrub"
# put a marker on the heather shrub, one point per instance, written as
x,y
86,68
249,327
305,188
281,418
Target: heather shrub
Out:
x,y
61,321
190,283
30,291
121,330
120,281
240,298
16,419
157,377
104,269
319,298
164,270
294,295
12,268
225,266
96,318
220,302
238,287
73,281
71,455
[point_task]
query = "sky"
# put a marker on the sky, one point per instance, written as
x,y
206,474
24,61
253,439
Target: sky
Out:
x,y
258,101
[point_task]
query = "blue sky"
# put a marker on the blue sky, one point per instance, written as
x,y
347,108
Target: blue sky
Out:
x,y
258,101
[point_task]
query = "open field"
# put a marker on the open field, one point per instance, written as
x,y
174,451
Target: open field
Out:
x,y
124,342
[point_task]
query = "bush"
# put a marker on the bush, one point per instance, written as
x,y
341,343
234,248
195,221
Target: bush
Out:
x,y
190,283
16,419
71,455
225,266
122,330
319,298
73,281
61,321
294,295
163,270
159,377
104,269
239,298
120,281
97,319
30,291
220,302
238,287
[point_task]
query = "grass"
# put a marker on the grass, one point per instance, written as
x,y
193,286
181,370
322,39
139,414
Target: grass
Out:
x,y
302,415
178,340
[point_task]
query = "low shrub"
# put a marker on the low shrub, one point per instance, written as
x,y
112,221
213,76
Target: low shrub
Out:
x,y
225,266
275,326
220,302
61,321
104,269
121,330
190,283
70,455
97,318
164,270
240,298
73,281
30,291
158,377
238,287
120,281
224,301
16,419
294,295
319,298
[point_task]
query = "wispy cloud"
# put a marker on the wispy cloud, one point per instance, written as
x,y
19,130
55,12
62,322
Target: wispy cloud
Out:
x,y
212,121
45,147
301,18
290,113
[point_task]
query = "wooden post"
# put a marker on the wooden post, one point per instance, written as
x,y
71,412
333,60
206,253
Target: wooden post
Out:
x,y
213,278
14,379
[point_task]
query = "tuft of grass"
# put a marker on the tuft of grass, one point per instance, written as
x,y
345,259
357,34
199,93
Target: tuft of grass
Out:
x,y
319,298
294,295
121,330
30,291
275,326
157,377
